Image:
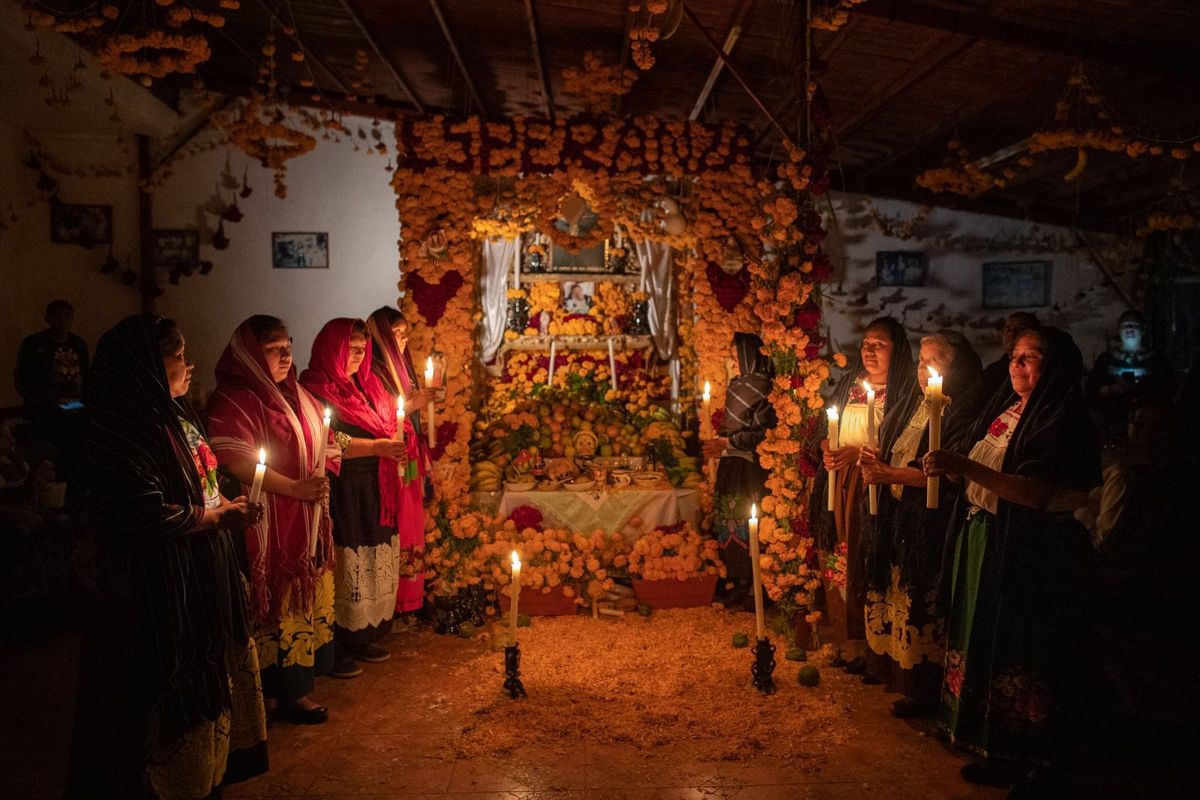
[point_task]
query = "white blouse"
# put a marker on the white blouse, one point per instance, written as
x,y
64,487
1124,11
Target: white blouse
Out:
x,y
989,451
852,429
905,448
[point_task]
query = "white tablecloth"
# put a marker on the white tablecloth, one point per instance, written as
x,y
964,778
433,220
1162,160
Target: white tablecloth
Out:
x,y
583,512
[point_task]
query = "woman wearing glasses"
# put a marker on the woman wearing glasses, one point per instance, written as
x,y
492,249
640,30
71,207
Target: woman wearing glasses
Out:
x,y
259,404
1011,656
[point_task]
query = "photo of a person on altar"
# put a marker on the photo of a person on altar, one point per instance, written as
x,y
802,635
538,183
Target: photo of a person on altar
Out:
x,y
577,296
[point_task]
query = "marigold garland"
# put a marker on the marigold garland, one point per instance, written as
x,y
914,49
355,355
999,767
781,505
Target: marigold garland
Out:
x,y
193,51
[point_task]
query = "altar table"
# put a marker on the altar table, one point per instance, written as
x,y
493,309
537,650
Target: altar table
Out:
x,y
582,512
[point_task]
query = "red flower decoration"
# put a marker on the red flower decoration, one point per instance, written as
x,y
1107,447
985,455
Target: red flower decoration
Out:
x,y
526,517
998,427
431,298
729,289
445,434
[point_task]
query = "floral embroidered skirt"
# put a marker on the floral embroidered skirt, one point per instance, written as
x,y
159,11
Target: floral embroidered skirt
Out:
x,y
1005,663
904,639
300,648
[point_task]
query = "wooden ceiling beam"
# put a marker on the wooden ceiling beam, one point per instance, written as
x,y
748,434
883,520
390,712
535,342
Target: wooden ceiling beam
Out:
x,y
309,53
735,31
1171,60
538,61
458,59
391,66
932,57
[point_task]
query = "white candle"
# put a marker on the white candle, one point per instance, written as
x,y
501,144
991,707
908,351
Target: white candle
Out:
x,y
515,594
317,511
431,423
706,430
550,373
756,571
834,444
517,265
260,472
612,364
873,440
401,465
606,253
934,394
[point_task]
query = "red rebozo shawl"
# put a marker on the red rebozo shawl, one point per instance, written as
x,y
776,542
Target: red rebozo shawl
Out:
x,y
360,400
248,411
411,517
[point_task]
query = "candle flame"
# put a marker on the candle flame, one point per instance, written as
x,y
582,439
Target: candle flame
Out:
x,y
328,415
400,405
516,560
753,512
429,368
934,378
707,391
832,413
867,386
262,456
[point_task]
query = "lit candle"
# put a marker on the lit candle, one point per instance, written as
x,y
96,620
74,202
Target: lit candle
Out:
x,y
432,422
550,374
612,364
873,440
934,395
706,430
606,253
316,517
515,592
756,571
517,264
834,445
260,472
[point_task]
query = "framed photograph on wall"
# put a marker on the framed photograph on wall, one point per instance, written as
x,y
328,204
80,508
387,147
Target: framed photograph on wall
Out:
x,y
1016,284
577,296
293,250
176,250
86,225
901,267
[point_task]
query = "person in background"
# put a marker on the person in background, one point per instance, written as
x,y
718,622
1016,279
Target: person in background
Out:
x,y
392,365
20,485
1015,652
51,370
258,403
1129,376
903,550
741,480
169,703
884,359
367,497
995,375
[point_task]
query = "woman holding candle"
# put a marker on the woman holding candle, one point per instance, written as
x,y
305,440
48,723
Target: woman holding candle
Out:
x,y
391,364
879,377
367,499
259,403
902,551
740,480
1015,570
169,703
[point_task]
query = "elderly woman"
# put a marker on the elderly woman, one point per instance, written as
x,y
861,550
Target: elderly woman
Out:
x,y
902,551
740,479
390,363
259,404
884,360
368,497
1015,569
169,703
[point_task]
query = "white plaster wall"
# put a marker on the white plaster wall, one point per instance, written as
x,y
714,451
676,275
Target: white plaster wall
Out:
x,y
958,244
33,271
333,189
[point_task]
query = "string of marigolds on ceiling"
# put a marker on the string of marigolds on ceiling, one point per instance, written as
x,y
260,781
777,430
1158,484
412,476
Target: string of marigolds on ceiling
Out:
x,y
646,31
598,84
833,14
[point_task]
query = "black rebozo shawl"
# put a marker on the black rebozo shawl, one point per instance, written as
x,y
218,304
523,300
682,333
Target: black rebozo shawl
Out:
x,y
177,588
907,534
902,388
748,409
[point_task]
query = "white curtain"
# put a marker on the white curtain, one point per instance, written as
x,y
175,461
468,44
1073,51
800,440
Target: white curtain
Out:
x,y
658,279
498,256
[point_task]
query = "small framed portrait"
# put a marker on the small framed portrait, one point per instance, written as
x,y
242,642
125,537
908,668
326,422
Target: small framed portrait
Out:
x,y
577,296
85,225
291,250
176,250
901,267
1016,284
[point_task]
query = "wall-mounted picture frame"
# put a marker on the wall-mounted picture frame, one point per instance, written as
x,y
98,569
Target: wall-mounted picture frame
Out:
x,y
300,250
1016,284
901,267
86,225
176,249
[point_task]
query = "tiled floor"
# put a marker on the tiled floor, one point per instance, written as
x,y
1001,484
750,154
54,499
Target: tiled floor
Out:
x,y
389,735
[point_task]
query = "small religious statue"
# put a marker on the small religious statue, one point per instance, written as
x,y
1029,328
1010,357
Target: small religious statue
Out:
x,y
544,323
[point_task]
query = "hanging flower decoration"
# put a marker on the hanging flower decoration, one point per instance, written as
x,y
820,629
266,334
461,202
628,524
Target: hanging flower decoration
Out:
x,y
162,53
262,132
597,83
